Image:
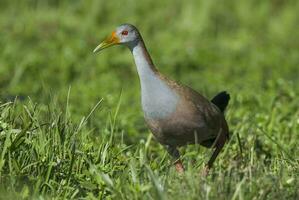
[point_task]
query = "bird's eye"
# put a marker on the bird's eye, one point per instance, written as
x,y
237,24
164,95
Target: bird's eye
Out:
x,y
124,33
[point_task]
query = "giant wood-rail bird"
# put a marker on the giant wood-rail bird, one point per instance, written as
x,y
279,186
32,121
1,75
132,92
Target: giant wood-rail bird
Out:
x,y
176,114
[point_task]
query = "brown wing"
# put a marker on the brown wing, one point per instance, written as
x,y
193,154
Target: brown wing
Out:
x,y
194,114
210,115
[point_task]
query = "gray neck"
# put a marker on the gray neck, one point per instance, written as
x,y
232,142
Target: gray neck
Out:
x,y
158,99
145,67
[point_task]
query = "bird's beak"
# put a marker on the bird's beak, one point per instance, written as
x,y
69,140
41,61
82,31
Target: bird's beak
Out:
x,y
110,41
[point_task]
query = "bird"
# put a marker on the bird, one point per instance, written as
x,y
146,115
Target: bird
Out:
x,y
176,114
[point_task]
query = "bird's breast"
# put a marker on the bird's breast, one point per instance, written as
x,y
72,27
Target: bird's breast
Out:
x,y
159,101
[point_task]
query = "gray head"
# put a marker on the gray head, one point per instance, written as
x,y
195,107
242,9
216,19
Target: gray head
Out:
x,y
125,34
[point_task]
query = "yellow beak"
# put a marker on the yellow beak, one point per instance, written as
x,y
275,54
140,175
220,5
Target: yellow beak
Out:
x,y
110,41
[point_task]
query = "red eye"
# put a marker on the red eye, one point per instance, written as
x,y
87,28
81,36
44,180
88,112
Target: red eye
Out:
x,y
124,33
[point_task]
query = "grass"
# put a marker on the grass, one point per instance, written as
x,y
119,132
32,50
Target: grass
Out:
x,y
71,124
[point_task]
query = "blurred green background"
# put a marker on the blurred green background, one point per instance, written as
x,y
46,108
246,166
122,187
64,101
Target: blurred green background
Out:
x,y
248,48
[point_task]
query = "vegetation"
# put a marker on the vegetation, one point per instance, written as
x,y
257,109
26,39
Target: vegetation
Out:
x,y
71,124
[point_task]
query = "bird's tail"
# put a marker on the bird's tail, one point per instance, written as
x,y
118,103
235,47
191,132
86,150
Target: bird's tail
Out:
x,y
221,100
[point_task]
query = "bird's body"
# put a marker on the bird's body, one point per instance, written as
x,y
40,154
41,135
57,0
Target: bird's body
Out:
x,y
176,114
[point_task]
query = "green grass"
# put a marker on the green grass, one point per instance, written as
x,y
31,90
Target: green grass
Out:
x,y
76,129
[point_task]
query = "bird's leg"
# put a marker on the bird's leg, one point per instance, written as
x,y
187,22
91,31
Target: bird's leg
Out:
x,y
176,155
207,168
214,156
219,143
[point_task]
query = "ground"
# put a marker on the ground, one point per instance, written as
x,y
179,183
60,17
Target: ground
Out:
x,y
71,124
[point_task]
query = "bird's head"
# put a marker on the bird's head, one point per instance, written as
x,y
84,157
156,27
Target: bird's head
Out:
x,y
126,34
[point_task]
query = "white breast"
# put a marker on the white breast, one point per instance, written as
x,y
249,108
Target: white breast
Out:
x,y
158,100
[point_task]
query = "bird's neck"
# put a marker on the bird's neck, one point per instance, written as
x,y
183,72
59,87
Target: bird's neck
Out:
x,y
143,61
158,99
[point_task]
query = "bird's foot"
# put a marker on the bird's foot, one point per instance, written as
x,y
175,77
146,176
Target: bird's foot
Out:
x,y
179,166
205,171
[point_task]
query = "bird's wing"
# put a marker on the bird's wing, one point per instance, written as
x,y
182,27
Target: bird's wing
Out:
x,y
210,113
210,116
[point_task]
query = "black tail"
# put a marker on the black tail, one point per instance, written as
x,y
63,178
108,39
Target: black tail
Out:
x,y
221,100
